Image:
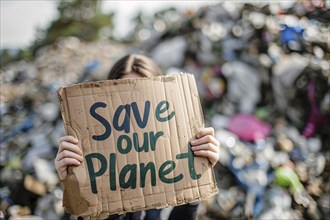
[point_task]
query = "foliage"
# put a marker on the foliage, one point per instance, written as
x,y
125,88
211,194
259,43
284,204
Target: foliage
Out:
x,y
82,19
11,55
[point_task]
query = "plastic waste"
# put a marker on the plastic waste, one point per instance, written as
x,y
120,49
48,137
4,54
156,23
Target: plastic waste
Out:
x,y
248,127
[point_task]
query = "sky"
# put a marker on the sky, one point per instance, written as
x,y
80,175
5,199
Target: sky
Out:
x,y
20,18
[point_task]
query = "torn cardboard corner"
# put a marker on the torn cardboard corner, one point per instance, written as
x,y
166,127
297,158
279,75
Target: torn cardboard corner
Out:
x,y
134,134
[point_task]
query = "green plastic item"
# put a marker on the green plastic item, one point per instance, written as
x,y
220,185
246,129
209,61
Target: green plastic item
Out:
x,y
287,177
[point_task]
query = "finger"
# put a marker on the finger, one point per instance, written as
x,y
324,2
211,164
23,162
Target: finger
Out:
x,y
68,162
69,138
70,147
207,146
211,156
206,153
204,140
205,131
69,154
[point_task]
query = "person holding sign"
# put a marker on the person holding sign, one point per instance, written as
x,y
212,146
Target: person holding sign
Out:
x,y
204,144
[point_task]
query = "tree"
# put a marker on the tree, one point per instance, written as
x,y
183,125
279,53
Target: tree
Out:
x,y
79,18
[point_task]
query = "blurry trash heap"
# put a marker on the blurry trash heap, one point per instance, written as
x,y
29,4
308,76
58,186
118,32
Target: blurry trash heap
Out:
x,y
263,73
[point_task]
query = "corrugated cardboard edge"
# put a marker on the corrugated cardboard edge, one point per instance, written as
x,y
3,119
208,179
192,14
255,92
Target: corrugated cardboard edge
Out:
x,y
73,204
71,184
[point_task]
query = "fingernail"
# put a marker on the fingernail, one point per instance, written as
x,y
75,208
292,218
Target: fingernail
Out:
x,y
193,148
198,135
193,142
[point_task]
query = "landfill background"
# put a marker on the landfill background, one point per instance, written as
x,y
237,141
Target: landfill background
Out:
x,y
263,74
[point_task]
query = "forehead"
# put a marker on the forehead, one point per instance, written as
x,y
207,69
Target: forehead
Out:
x,y
131,75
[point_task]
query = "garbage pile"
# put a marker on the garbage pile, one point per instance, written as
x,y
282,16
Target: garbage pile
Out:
x,y
263,74
31,123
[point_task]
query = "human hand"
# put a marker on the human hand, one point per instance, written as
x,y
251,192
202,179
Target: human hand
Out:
x,y
68,154
206,145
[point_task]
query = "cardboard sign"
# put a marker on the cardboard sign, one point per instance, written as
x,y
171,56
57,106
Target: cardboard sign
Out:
x,y
135,135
